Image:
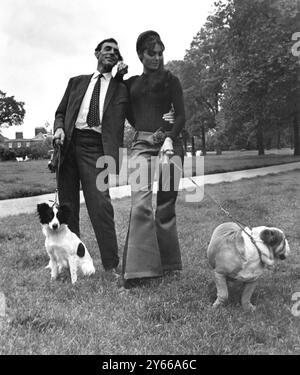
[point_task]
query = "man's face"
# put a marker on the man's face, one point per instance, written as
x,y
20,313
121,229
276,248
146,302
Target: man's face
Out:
x,y
108,56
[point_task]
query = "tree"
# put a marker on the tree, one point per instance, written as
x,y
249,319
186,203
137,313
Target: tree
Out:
x,y
204,76
262,85
177,67
48,127
12,112
240,64
40,149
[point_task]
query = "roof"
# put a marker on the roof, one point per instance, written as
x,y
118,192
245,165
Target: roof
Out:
x,y
40,136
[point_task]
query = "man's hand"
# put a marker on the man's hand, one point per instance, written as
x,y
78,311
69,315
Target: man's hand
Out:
x,y
59,137
122,69
170,116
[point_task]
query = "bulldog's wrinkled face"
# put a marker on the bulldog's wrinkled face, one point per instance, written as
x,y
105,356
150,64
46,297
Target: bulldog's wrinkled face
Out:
x,y
275,239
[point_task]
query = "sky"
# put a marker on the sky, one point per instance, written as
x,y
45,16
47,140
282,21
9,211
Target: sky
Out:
x,y
45,42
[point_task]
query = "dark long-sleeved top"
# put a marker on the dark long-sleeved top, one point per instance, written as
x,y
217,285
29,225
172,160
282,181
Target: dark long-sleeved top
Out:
x,y
150,100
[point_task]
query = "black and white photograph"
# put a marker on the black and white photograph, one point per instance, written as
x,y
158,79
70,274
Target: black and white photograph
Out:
x,y
149,180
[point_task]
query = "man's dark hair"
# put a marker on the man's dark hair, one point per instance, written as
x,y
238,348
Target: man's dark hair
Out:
x,y
109,40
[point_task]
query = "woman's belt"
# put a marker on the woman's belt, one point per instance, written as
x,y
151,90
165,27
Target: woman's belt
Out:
x,y
156,138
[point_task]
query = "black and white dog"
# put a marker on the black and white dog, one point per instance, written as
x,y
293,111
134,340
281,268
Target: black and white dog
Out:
x,y
64,248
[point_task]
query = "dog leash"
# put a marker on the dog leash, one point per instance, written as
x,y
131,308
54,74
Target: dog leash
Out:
x,y
56,200
239,223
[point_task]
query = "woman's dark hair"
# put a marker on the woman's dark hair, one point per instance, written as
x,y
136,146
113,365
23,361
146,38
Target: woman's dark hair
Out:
x,y
158,80
147,41
109,40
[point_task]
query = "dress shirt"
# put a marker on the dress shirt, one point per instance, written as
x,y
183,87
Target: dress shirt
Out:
x,y
85,105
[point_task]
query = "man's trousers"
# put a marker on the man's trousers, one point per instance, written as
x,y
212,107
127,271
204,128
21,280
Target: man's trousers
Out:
x,y
79,165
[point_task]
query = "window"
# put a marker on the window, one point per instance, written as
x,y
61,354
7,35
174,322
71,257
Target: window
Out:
x,y
27,144
19,144
10,145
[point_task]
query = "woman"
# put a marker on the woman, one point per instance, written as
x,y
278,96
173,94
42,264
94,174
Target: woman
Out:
x,y
152,242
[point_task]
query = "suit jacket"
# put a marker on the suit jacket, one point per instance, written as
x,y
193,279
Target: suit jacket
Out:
x,y
114,112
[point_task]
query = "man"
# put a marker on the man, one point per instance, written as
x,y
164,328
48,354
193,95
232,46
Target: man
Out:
x,y
89,123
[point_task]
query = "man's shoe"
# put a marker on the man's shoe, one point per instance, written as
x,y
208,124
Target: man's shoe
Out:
x,y
112,273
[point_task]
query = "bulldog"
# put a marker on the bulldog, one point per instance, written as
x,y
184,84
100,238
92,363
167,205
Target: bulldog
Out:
x,y
243,254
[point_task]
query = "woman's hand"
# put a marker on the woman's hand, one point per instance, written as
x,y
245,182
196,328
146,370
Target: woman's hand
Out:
x,y
167,147
166,150
169,117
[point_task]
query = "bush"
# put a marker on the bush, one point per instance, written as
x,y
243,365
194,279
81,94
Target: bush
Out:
x,y
39,150
6,154
22,152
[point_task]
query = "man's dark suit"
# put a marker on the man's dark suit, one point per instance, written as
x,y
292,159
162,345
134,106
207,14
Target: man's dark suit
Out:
x,y
80,152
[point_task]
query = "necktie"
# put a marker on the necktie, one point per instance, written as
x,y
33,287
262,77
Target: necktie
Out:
x,y
93,114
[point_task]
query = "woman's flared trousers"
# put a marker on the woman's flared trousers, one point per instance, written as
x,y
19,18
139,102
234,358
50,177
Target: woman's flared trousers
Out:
x,y
152,244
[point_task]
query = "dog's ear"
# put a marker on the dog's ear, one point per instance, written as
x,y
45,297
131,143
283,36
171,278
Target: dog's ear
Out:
x,y
266,236
43,210
271,237
64,212
81,250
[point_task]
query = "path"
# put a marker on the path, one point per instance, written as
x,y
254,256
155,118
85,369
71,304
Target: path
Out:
x,y
28,205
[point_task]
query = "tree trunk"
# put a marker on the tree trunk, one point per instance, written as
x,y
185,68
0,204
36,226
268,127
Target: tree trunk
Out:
x,y
278,139
296,117
291,135
296,133
203,140
260,139
193,145
185,144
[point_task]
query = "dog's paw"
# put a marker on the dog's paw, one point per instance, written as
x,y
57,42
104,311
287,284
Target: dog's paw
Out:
x,y
249,307
217,304
73,279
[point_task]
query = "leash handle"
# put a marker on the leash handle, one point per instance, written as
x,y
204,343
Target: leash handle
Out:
x,y
56,200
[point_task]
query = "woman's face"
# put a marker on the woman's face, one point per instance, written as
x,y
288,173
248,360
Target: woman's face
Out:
x,y
153,59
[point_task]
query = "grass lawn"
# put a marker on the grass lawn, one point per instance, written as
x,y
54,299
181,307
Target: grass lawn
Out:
x,y
33,178
170,315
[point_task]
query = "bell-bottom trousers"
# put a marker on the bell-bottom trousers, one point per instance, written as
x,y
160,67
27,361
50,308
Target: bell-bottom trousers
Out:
x,y
152,244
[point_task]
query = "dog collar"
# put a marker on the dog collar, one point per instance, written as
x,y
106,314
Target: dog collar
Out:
x,y
257,248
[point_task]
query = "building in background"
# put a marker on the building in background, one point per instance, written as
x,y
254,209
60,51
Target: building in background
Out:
x,y
20,142
39,130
